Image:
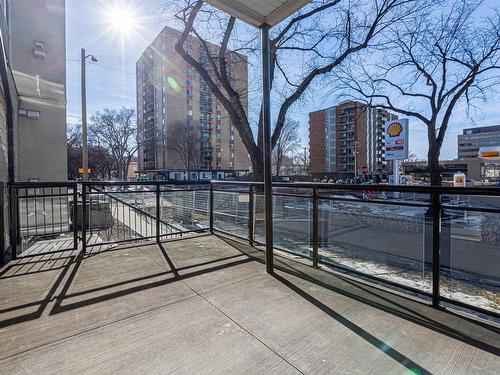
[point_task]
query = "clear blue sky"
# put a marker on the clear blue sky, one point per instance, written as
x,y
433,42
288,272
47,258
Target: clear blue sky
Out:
x,y
113,84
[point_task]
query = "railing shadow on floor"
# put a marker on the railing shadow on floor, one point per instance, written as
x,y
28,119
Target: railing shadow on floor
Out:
x,y
75,263
388,302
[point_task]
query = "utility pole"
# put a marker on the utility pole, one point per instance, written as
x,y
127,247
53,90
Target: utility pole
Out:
x,y
85,148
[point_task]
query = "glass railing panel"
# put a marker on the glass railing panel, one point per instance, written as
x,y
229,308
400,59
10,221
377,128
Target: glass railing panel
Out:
x,y
388,240
470,253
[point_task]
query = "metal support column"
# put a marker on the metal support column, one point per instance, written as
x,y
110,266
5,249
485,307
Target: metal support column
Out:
x,y
250,215
315,215
158,213
436,248
266,117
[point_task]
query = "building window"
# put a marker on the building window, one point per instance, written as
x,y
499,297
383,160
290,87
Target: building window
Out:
x,y
189,112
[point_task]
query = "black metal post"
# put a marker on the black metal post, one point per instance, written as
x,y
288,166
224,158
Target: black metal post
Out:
x,y
211,208
315,246
250,215
158,213
75,216
266,117
436,239
84,219
2,224
13,219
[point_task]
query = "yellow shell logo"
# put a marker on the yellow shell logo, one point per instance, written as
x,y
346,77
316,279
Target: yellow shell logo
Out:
x,y
395,129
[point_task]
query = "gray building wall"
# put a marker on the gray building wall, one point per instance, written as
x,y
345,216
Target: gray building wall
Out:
x,y
38,60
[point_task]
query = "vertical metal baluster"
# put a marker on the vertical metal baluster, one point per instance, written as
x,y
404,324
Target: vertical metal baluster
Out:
x,y
250,216
211,203
84,219
158,213
14,222
436,239
315,228
2,224
75,216
44,213
60,201
36,214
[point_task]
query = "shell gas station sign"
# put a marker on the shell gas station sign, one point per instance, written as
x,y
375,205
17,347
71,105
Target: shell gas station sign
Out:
x,y
396,139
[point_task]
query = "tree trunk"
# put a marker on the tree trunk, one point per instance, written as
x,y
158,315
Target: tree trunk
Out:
x,y
434,167
257,160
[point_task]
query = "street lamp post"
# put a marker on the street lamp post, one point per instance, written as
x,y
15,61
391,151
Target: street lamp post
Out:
x,y
85,149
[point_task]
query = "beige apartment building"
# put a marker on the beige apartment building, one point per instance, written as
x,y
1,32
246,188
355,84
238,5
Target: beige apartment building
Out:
x,y
37,54
32,95
169,91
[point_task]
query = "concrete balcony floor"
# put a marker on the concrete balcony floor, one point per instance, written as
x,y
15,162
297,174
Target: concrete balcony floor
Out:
x,y
204,305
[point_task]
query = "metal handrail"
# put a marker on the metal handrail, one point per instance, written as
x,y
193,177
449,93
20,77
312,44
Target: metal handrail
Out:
x,y
315,191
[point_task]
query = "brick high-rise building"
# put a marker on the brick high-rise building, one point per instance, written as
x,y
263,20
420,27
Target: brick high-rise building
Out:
x,y
169,91
347,134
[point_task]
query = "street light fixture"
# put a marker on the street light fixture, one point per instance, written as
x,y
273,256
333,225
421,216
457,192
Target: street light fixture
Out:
x,y
85,150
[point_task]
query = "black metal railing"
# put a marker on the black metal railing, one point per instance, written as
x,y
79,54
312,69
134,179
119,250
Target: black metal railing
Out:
x,y
438,242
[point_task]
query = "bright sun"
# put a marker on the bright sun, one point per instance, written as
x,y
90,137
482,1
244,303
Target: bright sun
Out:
x,y
122,19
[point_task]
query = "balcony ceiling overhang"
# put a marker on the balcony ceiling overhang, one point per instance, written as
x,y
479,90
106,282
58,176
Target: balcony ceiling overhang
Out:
x,y
259,12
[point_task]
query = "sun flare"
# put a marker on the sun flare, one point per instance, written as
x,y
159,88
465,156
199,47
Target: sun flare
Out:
x,y
122,19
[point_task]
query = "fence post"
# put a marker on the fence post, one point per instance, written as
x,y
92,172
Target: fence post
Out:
x,y
13,221
2,224
158,213
211,208
436,239
75,216
250,215
84,219
315,255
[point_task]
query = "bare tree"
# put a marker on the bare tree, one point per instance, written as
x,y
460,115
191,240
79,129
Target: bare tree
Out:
x,y
308,45
185,141
99,158
288,142
442,59
116,132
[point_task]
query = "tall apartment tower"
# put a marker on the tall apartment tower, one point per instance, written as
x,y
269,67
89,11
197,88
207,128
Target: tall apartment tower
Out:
x,y
37,54
169,91
347,138
473,139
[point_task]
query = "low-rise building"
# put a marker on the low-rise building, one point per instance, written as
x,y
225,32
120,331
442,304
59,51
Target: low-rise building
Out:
x,y
473,139
474,169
